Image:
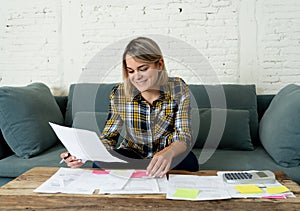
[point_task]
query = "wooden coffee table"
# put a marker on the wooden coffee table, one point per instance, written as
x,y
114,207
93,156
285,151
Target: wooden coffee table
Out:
x,y
18,195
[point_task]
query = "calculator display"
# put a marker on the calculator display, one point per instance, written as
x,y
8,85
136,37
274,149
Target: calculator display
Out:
x,y
261,174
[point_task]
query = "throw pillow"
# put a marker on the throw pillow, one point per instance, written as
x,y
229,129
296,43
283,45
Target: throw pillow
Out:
x,y
280,129
236,131
24,116
238,97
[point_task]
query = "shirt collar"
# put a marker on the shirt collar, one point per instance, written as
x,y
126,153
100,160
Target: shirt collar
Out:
x,y
164,95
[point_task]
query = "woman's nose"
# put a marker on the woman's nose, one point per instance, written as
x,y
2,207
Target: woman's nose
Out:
x,y
138,75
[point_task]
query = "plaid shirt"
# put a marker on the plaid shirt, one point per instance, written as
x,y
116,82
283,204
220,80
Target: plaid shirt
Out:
x,y
149,129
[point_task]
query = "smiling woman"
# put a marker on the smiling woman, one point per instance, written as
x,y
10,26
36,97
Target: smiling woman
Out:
x,y
154,110
140,55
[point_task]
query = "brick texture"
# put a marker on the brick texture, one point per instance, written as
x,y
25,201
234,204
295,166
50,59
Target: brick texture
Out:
x,y
239,41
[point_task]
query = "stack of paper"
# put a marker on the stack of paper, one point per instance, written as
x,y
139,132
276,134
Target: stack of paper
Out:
x,y
192,187
82,181
274,190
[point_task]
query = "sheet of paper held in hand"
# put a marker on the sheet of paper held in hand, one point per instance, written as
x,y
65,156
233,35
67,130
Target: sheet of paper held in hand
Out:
x,y
83,144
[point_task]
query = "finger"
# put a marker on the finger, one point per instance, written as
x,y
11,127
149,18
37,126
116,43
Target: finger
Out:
x,y
150,166
156,167
166,170
70,159
75,164
161,169
64,154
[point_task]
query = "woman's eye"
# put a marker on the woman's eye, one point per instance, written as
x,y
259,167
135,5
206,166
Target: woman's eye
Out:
x,y
130,71
144,69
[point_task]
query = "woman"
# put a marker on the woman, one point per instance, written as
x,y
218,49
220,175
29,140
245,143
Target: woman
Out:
x,y
155,111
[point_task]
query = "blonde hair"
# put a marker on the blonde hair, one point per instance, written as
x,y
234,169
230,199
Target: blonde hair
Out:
x,y
143,49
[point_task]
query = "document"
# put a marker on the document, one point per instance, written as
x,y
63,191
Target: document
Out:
x,y
63,182
139,183
260,190
196,188
84,181
83,144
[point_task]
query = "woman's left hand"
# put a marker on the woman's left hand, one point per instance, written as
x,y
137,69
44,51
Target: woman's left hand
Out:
x,y
160,163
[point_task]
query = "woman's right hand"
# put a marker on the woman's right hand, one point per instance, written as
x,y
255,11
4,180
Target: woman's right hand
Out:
x,y
70,160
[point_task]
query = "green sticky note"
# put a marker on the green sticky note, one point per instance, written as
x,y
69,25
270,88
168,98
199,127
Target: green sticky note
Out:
x,y
248,189
186,193
277,189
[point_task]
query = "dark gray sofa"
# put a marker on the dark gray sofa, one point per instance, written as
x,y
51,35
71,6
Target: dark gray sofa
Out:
x,y
86,99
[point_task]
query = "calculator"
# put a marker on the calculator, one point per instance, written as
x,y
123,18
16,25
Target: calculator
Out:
x,y
251,177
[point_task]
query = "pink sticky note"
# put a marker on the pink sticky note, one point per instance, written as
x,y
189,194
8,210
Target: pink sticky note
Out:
x,y
100,172
139,174
274,197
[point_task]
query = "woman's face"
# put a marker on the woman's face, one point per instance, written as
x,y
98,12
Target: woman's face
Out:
x,y
143,75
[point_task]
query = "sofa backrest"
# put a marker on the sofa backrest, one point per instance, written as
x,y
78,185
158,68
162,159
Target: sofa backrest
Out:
x,y
87,97
263,102
93,97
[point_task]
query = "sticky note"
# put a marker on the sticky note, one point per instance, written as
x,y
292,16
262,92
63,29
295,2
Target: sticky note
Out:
x,y
248,189
186,193
139,174
100,172
277,189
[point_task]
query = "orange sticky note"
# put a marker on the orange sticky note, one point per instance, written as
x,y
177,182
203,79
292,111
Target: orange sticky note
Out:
x,y
248,189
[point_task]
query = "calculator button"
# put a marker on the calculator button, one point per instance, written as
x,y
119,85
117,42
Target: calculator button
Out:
x,y
240,176
234,176
228,176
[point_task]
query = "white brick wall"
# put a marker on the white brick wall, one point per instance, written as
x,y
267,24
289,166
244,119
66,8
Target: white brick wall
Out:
x,y
245,41
278,41
29,42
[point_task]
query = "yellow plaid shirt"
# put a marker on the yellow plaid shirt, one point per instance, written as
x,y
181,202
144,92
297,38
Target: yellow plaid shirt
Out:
x,y
148,129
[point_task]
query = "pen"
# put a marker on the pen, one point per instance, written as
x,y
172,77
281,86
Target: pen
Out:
x,y
62,160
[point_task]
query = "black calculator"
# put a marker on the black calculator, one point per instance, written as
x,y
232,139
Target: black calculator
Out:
x,y
253,177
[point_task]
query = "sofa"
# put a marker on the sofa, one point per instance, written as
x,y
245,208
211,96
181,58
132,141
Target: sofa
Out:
x,y
233,127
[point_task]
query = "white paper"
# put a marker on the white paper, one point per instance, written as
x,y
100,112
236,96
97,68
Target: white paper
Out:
x,y
210,187
83,181
61,180
142,186
83,144
103,182
236,194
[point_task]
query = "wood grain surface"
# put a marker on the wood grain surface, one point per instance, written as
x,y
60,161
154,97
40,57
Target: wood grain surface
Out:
x,y
18,195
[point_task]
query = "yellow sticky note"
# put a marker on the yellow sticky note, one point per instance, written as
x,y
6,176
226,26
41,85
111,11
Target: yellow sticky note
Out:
x,y
277,189
186,193
248,189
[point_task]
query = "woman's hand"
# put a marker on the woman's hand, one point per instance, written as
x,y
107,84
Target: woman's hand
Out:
x,y
70,160
160,163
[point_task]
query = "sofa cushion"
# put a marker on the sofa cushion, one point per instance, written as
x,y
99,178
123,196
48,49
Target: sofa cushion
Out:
x,y
280,129
90,97
235,132
24,116
240,97
49,157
